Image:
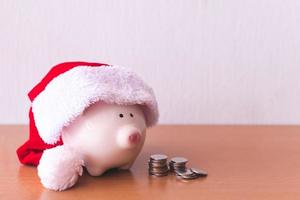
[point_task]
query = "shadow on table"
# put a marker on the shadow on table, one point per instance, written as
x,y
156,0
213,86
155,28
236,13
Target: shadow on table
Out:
x,y
108,183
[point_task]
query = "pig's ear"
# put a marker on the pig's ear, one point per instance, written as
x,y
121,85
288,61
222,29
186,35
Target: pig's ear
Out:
x,y
70,93
60,168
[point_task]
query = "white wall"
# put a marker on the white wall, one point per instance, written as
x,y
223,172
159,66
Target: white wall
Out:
x,y
209,61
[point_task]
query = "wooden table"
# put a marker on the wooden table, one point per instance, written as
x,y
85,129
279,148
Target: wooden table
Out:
x,y
243,162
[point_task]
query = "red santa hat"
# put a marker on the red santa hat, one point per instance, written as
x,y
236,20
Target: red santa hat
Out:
x,y
68,89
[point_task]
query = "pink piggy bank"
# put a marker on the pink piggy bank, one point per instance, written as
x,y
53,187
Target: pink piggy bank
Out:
x,y
92,115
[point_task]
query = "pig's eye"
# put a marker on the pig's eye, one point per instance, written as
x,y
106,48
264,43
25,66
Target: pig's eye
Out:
x,y
121,115
131,115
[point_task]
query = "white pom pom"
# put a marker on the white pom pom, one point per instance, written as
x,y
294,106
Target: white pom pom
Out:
x,y
60,168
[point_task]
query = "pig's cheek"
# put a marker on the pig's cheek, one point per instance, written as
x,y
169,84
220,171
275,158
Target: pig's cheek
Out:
x,y
88,142
93,133
100,143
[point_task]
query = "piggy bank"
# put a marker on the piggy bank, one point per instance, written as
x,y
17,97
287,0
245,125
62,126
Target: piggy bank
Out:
x,y
88,115
105,136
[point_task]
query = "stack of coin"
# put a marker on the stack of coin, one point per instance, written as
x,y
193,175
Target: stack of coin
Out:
x,y
191,173
178,164
158,165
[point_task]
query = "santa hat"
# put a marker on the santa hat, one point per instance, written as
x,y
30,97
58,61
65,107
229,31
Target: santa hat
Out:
x,y
68,89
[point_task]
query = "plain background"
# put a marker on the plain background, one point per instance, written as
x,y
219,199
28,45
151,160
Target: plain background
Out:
x,y
208,61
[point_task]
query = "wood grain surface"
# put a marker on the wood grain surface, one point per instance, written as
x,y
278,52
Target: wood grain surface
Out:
x,y
243,162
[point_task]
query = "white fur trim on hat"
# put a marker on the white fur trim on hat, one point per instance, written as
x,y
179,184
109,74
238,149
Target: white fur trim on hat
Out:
x,y
70,93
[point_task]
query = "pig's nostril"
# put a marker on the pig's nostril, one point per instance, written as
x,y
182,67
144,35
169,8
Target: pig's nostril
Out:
x,y
135,137
129,137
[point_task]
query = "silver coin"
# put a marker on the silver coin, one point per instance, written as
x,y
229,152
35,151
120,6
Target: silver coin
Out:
x,y
159,171
187,172
158,157
159,175
177,160
198,171
189,177
179,167
157,164
159,167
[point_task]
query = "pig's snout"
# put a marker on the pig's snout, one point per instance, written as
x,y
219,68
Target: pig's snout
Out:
x,y
135,137
128,137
